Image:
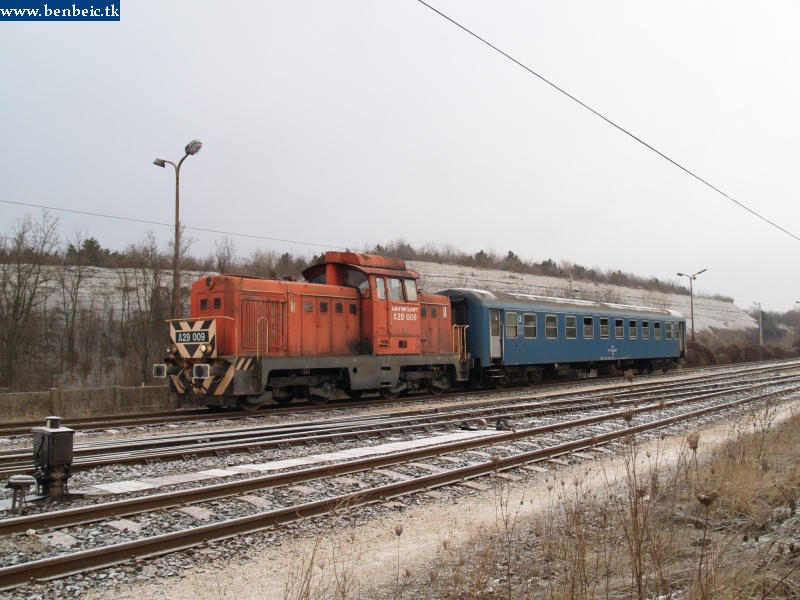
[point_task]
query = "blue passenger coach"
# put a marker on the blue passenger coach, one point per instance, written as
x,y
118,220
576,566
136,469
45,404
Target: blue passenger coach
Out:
x,y
518,338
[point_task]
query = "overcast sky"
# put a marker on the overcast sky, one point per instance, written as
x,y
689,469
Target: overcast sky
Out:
x,y
346,124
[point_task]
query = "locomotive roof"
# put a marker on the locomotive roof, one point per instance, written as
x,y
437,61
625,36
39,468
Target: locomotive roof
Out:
x,y
368,263
494,299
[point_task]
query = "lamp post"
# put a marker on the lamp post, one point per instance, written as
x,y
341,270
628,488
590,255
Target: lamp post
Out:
x,y
191,149
691,293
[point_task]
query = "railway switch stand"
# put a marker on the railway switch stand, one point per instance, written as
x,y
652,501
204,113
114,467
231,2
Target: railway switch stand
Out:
x,y
52,457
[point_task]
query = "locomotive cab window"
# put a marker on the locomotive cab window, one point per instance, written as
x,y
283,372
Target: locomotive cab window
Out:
x,y
633,329
645,330
529,327
511,325
605,328
396,289
588,328
411,290
380,284
571,327
619,329
657,330
551,327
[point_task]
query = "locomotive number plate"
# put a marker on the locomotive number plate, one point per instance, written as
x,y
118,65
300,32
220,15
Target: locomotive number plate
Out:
x,y
183,337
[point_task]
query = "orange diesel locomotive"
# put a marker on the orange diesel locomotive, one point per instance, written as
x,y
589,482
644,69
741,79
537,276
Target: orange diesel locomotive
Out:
x,y
358,323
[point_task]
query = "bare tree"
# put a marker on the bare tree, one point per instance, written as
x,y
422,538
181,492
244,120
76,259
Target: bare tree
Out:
x,y
24,256
147,297
225,254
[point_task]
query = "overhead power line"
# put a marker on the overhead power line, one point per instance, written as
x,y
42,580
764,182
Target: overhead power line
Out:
x,y
607,120
247,235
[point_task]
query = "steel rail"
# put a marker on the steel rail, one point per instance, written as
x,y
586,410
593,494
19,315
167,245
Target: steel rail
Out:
x,y
60,566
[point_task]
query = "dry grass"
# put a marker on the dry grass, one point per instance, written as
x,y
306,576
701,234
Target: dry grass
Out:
x,y
713,522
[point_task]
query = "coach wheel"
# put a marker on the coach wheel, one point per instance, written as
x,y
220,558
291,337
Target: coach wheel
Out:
x,y
248,403
533,379
499,383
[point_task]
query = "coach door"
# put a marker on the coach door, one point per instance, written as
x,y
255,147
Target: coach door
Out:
x,y
496,340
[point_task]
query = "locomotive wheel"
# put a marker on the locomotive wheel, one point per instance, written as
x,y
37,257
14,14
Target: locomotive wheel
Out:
x,y
388,394
314,399
440,385
355,394
244,402
282,395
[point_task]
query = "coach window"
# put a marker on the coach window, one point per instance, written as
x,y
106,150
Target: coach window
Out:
x,y
411,290
645,330
668,332
529,327
551,327
633,329
381,285
511,325
619,329
571,327
588,328
657,329
605,328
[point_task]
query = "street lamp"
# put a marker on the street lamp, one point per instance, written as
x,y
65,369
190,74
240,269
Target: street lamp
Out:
x,y
691,293
192,148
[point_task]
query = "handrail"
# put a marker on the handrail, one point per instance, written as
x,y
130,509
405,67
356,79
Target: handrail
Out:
x,y
266,348
459,341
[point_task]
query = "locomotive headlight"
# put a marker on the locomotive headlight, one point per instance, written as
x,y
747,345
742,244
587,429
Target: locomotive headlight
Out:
x,y
203,348
170,349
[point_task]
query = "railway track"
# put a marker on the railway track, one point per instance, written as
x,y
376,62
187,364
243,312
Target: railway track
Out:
x,y
255,439
10,429
376,478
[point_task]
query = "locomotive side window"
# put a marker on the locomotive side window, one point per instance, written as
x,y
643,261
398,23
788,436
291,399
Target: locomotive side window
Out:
x,y
551,327
395,289
339,308
633,329
529,327
433,312
668,332
645,330
323,307
588,328
511,325
381,285
204,304
424,311
411,290
619,329
353,308
605,328
571,327
657,329
309,306
354,279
